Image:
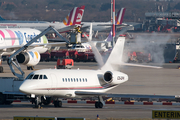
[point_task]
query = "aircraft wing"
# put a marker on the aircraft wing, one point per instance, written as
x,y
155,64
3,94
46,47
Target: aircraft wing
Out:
x,y
13,93
64,29
15,47
49,44
124,95
138,65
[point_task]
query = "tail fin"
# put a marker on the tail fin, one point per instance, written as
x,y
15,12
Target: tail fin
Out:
x,y
80,15
120,16
116,55
2,18
70,19
109,38
119,20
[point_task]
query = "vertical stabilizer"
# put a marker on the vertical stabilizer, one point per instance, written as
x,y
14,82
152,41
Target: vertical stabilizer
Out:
x,y
80,15
116,55
120,16
70,19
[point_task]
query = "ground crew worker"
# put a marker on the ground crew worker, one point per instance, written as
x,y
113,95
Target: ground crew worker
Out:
x,y
78,29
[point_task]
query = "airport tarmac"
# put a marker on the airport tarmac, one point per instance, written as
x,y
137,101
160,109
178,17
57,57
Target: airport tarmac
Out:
x,y
164,81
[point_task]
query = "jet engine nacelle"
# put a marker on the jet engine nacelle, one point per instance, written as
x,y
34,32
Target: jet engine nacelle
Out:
x,y
29,58
114,77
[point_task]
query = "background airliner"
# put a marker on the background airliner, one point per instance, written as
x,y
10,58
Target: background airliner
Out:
x,y
73,18
105,26
11,39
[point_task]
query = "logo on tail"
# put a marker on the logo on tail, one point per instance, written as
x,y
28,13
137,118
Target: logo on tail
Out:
x,y
80,15
74,17
120,16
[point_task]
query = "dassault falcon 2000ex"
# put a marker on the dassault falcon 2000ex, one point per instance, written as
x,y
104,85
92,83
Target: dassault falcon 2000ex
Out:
x,y
75,83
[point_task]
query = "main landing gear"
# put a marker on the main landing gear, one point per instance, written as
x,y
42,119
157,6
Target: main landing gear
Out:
x,y
100,102
39,100
57,103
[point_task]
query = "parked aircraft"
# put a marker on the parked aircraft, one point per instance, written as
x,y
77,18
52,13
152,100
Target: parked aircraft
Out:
x,y
73,18
70,83
104,26
14,38
11,39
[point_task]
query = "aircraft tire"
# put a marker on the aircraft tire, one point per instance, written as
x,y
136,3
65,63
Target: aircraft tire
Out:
x,y
2,99
55,104
59,103
98,105
47,101
1,69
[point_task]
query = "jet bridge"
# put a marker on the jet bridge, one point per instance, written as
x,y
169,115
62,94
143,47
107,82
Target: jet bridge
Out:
x,y
12,59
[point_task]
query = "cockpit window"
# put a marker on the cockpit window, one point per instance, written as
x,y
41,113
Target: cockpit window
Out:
x,y
35,76
32,76
40,77
29,76
45,77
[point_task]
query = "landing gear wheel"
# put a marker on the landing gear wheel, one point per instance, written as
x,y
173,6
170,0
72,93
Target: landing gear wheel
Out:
x,y
1,69
2,99
38,102
57,104
98,105
47,101
38,106
30,67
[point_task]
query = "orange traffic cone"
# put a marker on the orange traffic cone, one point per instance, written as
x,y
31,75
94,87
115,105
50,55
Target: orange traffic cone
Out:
x,y
55,67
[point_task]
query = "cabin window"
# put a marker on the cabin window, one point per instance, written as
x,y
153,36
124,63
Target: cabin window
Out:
x,y
71,80
77,79
86,79
74,80
66,79
63,79
35,76
83,79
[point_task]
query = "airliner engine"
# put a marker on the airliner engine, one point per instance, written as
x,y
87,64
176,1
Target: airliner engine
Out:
x,y
114,77
29,58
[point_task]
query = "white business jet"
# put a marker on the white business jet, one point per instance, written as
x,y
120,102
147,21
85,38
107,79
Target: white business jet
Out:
x,y
75,83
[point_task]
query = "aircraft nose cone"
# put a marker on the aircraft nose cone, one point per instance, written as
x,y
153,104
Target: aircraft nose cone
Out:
x,y
22,89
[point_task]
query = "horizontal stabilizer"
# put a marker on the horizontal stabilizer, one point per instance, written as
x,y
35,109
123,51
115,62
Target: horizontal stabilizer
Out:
x,y
137,65
125,95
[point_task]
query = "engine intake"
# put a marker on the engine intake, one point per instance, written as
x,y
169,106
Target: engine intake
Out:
x,y
29,58
108,77
23,58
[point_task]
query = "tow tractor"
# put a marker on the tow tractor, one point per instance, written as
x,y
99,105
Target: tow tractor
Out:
x,y
65,64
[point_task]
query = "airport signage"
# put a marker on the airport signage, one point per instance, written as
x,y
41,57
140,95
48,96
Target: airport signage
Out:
x,y
165,114
45,118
